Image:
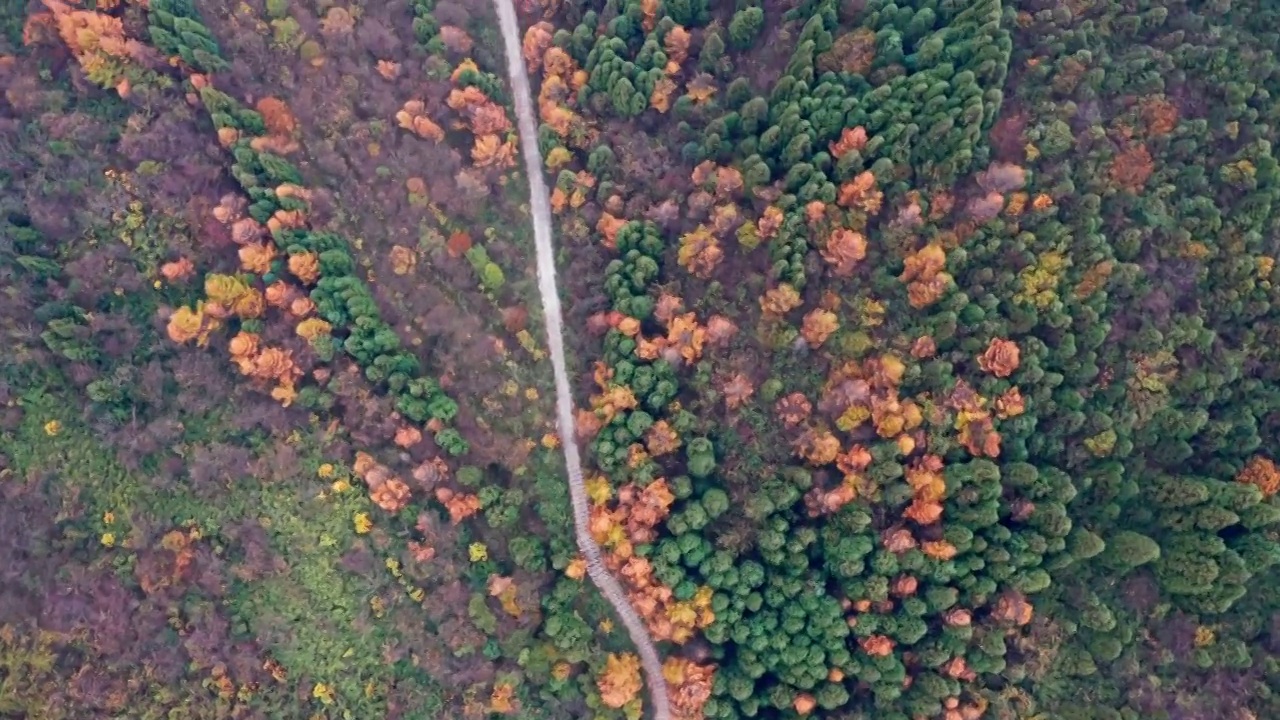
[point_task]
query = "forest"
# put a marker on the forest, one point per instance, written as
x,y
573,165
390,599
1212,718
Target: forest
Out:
x,y
917,349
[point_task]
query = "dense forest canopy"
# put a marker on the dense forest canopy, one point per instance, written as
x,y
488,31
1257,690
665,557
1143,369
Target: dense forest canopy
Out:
x,y
924,359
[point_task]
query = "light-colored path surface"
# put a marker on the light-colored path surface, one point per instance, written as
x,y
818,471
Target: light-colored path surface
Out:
x,y
540,210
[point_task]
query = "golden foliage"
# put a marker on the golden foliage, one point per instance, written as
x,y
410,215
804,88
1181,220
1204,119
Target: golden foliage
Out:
x,y
922,271
938,549
185,325
229,208
769,223
501,699
490,150
403,260
556,62
614,400
537,40
818,447
648,14
95,39
413,117
285,219
305,267
700,252
978,435
256,258
278,144
620,681
1017,204
224,290
1010,404
780,300
242,348
690,684
559,199
312,328
1038,282
558,158
687,337
818,325
228,137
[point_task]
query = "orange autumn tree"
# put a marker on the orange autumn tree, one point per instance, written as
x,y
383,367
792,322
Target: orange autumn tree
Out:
x,y
96,40
620,681
1000,358
386,490
1262,473
819,324
277,116
700,252
690,686
413,117
1132,167
843,250
923,273
486,120
779,301
861,193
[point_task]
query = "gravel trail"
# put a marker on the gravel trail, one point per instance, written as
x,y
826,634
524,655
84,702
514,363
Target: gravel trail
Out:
x,y
540,210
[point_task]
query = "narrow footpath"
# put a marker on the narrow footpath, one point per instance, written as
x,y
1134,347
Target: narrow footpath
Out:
x,y
540,211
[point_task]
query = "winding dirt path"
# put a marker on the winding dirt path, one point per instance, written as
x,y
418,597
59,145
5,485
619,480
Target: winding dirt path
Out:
x,y
540,210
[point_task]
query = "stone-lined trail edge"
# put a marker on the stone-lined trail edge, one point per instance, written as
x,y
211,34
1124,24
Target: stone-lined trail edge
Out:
x,y
540,212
